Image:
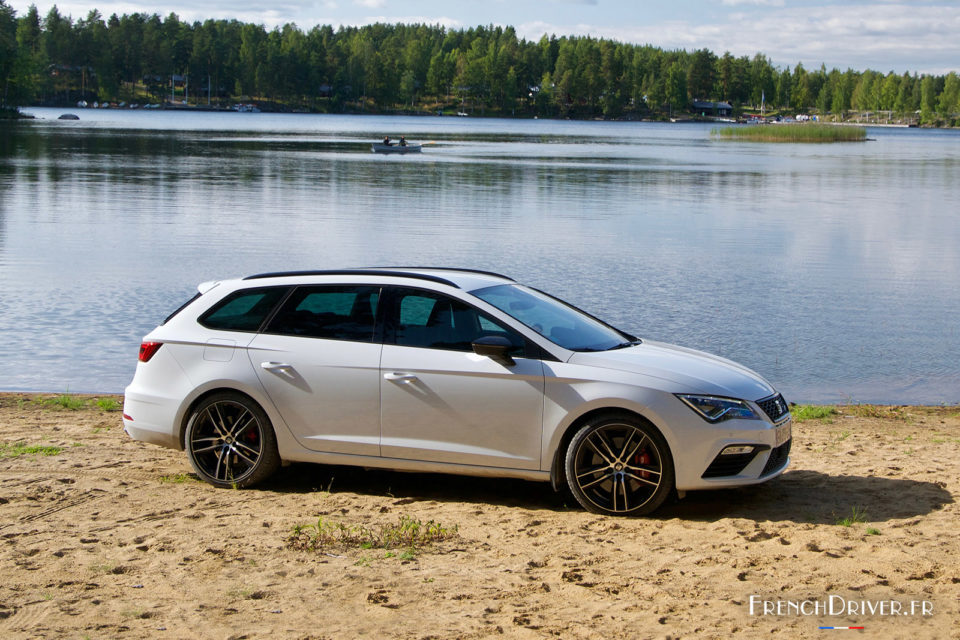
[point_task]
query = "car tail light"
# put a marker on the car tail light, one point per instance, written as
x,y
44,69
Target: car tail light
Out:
x,y
147,349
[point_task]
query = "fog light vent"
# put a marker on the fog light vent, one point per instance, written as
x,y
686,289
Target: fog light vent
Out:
x,y
738,450
732,460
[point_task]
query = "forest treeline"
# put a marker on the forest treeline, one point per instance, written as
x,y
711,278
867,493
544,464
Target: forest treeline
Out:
x,y
140,57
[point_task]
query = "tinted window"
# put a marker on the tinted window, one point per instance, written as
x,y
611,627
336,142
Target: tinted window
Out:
x,y
434,321
334,313
243,310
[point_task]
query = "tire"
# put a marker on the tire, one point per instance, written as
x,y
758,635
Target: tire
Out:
x,y
230,441
619,465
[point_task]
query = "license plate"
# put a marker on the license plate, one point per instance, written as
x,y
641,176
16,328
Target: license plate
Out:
x,y
782,434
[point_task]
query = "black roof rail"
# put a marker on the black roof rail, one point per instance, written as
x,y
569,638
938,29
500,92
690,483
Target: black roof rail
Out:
x,y
479,271
353,272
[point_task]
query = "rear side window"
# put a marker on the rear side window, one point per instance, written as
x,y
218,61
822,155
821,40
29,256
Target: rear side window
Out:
x,y
329,312
243,310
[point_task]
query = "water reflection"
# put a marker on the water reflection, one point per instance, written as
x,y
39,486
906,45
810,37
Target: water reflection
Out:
x,y
831,270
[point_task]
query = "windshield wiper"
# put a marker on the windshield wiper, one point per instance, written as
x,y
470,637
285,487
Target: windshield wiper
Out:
x,y
624,345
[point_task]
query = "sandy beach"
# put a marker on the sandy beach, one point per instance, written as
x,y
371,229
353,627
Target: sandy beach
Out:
x,y
104,537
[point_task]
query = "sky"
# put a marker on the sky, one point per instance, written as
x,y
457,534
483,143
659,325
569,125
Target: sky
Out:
x,y
883,35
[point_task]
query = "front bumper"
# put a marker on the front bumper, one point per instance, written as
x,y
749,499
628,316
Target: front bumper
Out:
x,y
700,464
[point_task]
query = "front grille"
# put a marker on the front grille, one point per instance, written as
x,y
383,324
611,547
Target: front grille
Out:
x,y
775,407
778,458
728,465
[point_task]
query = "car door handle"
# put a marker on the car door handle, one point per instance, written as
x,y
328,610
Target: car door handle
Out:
x,y
274,366
396,376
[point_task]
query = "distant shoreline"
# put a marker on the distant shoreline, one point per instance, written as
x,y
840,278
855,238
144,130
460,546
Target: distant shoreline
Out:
x,y
685,119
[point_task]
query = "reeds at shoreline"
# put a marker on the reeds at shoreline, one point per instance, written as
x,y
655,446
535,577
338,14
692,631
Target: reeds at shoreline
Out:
x,y
800,132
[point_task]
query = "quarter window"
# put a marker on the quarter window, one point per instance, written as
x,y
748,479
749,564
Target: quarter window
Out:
x,y
243,310
332,313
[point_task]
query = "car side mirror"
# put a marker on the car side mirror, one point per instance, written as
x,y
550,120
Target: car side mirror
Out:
x,y
495,348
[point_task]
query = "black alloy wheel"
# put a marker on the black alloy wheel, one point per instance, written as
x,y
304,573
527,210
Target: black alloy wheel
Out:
x,y
230,441
619,465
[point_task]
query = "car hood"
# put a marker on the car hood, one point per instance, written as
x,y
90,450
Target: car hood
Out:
x,y
691,371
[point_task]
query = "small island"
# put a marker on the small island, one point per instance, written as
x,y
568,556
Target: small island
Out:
x,y
799,132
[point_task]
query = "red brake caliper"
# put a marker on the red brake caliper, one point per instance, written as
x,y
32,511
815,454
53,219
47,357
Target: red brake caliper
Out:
x,y
642,458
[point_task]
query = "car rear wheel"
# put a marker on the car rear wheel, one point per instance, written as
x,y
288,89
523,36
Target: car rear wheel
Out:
x,y
619,465
230,441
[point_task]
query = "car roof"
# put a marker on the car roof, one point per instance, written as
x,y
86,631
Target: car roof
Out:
x,y
466,279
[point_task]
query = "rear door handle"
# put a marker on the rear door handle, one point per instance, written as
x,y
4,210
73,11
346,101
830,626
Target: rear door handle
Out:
x,y
396,376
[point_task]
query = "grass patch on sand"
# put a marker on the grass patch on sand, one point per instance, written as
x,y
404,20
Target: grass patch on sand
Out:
x,y
107,404
18,449
803,412
62,401
826,413
406,532
857,514
801,132
72,402
179,478
876,411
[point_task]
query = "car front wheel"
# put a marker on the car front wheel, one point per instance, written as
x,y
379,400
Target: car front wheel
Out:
x,y
230,441
619,465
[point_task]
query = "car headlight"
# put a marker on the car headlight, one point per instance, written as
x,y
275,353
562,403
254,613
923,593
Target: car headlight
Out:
x,y
714,409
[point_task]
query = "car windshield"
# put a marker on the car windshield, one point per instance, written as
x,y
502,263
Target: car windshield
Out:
x,y
555,320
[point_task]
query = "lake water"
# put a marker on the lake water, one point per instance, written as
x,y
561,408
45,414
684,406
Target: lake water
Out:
x,y
833,270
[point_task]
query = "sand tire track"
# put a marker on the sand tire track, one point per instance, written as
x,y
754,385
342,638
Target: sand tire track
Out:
x,y
92,494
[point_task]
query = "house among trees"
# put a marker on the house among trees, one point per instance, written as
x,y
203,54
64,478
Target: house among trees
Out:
x,y
717,109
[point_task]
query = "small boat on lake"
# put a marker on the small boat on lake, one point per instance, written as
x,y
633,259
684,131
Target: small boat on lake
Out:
x,y
379,147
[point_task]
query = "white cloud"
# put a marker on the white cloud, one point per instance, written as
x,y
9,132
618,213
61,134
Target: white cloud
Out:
x,y
756,3
370,4
880,36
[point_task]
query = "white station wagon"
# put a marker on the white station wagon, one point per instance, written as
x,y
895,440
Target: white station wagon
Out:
x,y
450,371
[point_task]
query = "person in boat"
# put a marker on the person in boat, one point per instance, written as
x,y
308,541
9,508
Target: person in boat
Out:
x,y
403,141
386,141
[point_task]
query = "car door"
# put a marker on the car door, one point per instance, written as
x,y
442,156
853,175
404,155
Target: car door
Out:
x,y
319,362
442,402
